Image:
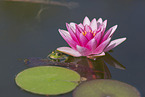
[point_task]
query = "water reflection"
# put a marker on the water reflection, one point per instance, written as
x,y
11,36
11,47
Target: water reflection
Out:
x,y
51,2
89,69
113,62
21,19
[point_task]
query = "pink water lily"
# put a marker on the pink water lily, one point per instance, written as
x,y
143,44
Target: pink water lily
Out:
x,y
88,39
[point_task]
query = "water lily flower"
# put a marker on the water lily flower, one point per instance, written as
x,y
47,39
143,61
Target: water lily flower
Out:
x,y
88,38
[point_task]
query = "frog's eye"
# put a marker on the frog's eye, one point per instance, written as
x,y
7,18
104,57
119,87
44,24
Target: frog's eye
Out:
x,y
59,54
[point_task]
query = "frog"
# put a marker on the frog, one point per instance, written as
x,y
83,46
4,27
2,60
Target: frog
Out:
x,y
57,56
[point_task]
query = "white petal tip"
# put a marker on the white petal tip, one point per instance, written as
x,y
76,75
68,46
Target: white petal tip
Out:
x,y
100,20
105,22
60,30
115,27
86,21
86,17
124,38
120,40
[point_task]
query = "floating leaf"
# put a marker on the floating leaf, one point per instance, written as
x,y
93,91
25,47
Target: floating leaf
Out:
x,y
47,80
105,88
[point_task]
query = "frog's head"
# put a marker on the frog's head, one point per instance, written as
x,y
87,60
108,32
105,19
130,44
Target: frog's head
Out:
x,y
56,55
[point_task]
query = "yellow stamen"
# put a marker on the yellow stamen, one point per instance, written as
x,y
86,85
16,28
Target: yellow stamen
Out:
x,y
85,32
91,31
94,34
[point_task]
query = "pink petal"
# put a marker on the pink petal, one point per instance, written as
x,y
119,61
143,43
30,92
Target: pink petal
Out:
x,y
92,44
86,21
66,36
87,28
101,54
105,23
71,32
64,33
102,46
96,55
83,51
83,40
81,25
98,37
73,25
93,24
113,30
89,35
78,31
99,22
109,33
79,28
114,43
104,26
69,51
100,29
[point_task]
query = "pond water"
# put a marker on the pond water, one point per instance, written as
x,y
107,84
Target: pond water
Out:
x,y
31,30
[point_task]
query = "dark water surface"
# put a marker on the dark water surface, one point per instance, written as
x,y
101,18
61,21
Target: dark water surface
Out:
x,y
26,33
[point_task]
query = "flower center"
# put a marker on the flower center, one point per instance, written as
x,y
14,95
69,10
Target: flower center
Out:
x,y
90,31
84,33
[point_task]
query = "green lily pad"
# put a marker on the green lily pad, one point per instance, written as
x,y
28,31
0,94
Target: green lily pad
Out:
x,y
48,80
105,88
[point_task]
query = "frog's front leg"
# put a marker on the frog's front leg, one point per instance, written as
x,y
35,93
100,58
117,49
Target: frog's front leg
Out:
x,y
56,60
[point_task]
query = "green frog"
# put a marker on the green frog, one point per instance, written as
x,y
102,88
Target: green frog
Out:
x,y
57,56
